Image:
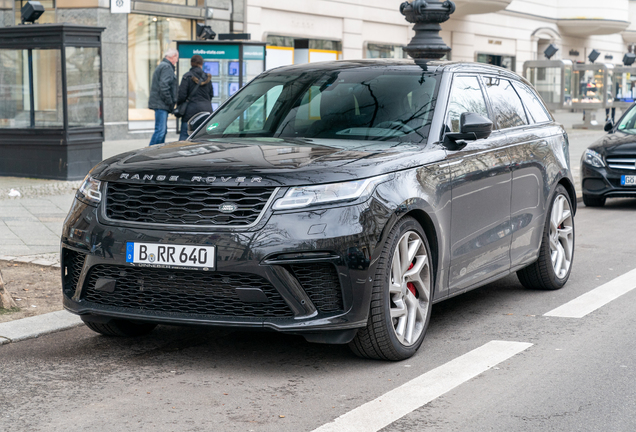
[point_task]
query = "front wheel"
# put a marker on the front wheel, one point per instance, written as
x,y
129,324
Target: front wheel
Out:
x,y
593,201
552,270
401,300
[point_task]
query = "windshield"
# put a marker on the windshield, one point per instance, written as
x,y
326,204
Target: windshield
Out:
x,y
628,122
352,104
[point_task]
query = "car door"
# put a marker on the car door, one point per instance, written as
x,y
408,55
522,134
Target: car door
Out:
x,y
481,188
529,152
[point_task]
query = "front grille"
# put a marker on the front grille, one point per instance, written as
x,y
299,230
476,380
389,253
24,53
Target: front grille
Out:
x,y
622,162
73,263
184,291
184,205
320,282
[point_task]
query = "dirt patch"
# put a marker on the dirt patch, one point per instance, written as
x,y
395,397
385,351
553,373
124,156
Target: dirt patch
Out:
x,y
35,289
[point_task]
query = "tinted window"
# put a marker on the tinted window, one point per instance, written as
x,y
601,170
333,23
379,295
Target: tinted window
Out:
x,y
534,106
505,102
351,104
466,96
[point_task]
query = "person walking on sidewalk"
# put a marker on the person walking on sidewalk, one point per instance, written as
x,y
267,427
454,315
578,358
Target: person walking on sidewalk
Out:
x,y
163,94
196,89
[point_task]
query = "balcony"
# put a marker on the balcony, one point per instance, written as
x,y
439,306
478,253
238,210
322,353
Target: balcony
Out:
x,y
470,7
586,17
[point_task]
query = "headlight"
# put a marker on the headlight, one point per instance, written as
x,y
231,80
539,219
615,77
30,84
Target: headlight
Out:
x,y
591,157
303,196
89,190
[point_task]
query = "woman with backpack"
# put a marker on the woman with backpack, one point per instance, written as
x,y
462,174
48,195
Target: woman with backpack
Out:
x,y
196,90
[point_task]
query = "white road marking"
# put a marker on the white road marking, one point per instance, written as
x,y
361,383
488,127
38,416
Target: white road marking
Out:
x,y
397,403
598,297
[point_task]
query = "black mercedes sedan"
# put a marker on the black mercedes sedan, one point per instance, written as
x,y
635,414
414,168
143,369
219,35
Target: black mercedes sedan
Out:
x,y
608,167
337,201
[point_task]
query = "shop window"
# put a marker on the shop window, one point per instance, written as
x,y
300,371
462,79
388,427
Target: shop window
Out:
x,y
83,86
23,107
385,51
504,61
148,39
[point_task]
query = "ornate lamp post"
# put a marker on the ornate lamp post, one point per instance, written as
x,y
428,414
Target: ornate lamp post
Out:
x,y
427,15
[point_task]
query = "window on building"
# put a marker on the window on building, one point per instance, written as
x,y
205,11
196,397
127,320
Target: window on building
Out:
x,y
507,106
149,37
385,51
504,61
48,17
466,96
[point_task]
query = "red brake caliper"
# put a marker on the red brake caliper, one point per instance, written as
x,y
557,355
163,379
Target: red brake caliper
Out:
x,y
410,285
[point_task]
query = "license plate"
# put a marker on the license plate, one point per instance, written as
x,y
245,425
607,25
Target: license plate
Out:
x,y
162,255
628,180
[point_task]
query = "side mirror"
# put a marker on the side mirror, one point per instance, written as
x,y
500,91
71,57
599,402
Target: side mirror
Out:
x,y
196,121
609,126
472,127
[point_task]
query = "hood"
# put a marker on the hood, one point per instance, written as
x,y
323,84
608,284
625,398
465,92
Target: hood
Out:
x,y
264,161
617,143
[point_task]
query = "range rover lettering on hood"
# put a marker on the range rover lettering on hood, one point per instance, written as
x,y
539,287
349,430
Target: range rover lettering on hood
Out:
x,y
194,179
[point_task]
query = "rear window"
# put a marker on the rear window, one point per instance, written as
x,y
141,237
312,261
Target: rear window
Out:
x,y
534,106
506,105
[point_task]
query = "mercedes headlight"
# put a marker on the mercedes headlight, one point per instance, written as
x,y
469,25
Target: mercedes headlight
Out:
x,y
89,191
304,196
593,158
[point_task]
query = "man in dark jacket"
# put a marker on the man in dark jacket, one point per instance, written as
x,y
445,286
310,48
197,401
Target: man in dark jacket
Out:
x,y
199,85
163,94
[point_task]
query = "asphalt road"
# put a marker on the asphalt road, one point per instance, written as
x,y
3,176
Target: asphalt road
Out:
x,y
578,374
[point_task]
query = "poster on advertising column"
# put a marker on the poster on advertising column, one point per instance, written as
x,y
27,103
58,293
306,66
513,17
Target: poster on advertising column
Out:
x,y
119,6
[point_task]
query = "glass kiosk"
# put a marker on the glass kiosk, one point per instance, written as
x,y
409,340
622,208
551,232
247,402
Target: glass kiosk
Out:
x,y
551,78
624,90
232,64
51,123
592,86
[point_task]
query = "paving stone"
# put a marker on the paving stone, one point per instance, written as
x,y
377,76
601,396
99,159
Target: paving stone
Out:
x,y
7,258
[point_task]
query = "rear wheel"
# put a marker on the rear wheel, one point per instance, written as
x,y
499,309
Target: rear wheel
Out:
x,y
552,270
401,298
593,201
121,328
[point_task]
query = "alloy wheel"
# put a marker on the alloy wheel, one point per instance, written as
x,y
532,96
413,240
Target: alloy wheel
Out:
x,y
410,289
561,236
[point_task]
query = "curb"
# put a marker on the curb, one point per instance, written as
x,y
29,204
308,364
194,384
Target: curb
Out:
x,y
29,259
32,327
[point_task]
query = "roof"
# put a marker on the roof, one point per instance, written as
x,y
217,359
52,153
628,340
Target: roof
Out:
x,y
431,66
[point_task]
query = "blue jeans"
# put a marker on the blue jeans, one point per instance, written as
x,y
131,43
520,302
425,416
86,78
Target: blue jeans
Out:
x,y
184,130
161,127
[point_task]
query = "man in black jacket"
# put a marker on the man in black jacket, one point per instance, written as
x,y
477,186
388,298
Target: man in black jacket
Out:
x,y
163,94
196,88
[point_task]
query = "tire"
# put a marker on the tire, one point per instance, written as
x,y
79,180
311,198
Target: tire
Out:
x,y
121,328
593,201
398,338
551,271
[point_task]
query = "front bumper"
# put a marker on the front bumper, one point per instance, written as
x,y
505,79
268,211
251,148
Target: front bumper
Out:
x,y
605,182
306,272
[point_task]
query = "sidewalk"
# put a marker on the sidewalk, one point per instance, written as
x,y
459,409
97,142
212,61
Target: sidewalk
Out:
x,y
31,224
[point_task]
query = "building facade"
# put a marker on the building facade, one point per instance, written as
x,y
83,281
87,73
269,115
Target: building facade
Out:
x,y
502,32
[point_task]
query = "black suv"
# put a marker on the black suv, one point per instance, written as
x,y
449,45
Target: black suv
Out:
x,y
338,201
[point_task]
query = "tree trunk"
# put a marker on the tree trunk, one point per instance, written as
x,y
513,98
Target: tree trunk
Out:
x,y
6,301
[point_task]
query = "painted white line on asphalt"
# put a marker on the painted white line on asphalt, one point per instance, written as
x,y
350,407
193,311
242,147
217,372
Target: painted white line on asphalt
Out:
x,y
27,328
598,297
397,403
